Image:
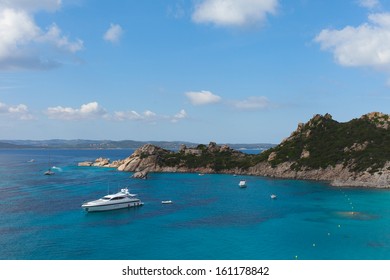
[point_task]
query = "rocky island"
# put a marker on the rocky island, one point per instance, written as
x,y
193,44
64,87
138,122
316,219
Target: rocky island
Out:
x,y
354,154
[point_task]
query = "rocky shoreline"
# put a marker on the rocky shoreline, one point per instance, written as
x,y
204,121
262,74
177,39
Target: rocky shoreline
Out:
x,y
145,160
351,154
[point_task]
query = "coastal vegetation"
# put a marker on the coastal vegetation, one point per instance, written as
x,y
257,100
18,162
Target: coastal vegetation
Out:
x,y
217,158
361,144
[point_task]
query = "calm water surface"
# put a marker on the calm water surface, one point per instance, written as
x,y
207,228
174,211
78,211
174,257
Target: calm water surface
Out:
x,y
211,217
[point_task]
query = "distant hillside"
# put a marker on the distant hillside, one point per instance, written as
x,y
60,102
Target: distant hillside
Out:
x,y
4,145
110,144
355,153
90,144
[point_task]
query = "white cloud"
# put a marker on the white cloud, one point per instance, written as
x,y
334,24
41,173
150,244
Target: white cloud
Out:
x,y
16,28
233,12
364,45
179,116
23,43
20,111
53,36
202,97
131,115
91,110
135,116
252,103
32,5
114,33
371,4
148,116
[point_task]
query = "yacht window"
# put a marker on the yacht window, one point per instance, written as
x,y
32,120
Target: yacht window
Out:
x,y
117,198
106,198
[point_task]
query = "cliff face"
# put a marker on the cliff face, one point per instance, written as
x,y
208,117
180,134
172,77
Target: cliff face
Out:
x,y
355,153
337,175
147,158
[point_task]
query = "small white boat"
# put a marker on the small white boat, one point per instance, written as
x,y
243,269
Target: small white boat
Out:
x,y
166,202
31,160
242,184
122,199
273,196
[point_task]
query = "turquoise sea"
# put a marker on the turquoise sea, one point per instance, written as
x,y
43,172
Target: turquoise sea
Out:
x,y
211,218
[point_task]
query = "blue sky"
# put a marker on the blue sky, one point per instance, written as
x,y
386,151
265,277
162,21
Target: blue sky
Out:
x,y
228,71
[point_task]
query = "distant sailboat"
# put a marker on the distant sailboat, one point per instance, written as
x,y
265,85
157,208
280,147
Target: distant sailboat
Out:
x,y
49,171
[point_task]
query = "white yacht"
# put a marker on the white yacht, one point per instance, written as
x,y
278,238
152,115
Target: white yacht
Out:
x,y
122,199
242,184
273,196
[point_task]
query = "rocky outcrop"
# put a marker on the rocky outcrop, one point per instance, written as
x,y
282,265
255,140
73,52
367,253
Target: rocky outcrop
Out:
x,y
144,159
272,156
379,119
85,163
305,153
140,175
101,162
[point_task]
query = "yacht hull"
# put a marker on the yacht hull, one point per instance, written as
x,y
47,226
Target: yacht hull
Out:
x,y
97,208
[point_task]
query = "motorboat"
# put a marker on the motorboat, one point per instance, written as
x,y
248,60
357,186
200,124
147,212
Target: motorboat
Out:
x,y
49,172
166,202
273,196
122,199
242,184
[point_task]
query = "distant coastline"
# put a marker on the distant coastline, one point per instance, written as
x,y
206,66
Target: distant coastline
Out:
x,y
82,144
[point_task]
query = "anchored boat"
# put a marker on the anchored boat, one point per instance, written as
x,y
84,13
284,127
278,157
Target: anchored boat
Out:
x,y
242,184
122,199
